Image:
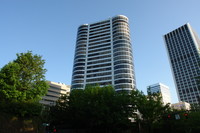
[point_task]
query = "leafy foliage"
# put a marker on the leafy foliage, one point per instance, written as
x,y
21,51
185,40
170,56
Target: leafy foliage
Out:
x,y
21,109
185,124
93,108
23,79
150,107
22,83
103,108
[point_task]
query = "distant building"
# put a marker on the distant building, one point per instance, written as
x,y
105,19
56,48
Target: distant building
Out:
x,y
103,55
183,47
55,90
162,89
181,106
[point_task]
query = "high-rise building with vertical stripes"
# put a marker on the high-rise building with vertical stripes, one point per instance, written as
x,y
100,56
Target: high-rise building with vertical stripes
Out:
x,y
103,55
183,50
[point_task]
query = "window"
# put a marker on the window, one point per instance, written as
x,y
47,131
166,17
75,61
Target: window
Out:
x,y
122,71
101,65
99,74
98,79
99,57
123,81
99,70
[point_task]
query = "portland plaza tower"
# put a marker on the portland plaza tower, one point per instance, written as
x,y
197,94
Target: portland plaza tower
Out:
x,y
103,55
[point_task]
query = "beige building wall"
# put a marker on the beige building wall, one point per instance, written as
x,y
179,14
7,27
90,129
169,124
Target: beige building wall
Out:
x,y
55,90
181,106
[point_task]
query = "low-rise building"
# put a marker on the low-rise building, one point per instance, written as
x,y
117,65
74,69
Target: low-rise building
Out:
x,y
55,90
181,106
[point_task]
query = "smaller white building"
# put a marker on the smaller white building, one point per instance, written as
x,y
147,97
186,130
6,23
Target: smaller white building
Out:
x,y
54,91
162,89
181,106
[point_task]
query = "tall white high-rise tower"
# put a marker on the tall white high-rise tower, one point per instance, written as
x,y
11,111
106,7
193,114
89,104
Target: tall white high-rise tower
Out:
x,y
103,55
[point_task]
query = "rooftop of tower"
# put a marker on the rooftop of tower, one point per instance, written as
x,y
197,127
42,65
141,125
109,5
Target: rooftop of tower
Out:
x,y
178,28
104,20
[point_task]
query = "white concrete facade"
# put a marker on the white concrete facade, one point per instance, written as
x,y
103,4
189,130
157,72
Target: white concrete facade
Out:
x,y
103,55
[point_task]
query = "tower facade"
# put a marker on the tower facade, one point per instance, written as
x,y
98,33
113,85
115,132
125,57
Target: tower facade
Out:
x,y
162,89
183,46
103,55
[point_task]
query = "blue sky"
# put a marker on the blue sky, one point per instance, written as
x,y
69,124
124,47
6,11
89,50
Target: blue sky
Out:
x,y
49,28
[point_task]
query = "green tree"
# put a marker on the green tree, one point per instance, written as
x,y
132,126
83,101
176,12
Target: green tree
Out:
x,y
23,79
184,124
22,83
94,108
150,108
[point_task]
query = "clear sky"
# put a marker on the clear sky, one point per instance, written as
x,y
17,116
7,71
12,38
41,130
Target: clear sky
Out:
x,y
49,28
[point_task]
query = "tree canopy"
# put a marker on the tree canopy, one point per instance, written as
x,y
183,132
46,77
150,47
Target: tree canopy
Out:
x,y
103,108
22,83
150,107
23,79
93,108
